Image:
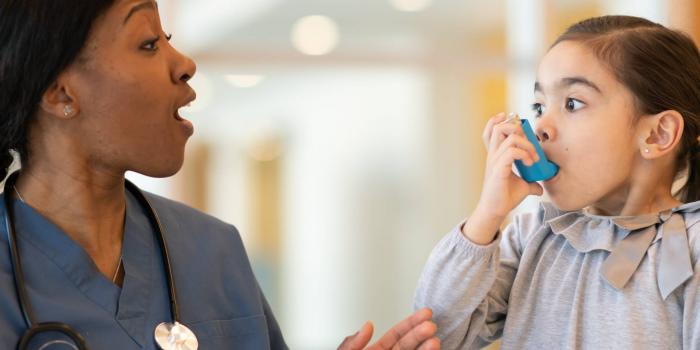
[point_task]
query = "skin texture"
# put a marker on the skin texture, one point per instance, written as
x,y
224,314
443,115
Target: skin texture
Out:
x,y
613,160
124,92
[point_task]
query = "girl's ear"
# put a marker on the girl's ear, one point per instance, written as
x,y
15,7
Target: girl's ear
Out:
x,y
58,100
660,133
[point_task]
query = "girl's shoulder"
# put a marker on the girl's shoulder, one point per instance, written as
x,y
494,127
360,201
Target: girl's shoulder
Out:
x,y
691,215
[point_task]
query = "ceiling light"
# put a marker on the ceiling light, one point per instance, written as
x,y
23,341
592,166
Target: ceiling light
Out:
x,y
244,80
315,35
411,5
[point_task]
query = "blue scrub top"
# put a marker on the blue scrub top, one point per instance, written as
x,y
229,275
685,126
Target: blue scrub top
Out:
x,y
218,295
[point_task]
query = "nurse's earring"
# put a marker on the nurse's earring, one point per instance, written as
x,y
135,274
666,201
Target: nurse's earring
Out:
x,y
68,111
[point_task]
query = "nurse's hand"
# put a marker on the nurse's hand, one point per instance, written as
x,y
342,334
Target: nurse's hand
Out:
x,y
415,332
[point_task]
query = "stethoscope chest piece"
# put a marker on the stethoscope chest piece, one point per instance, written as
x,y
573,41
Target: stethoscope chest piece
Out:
x,y
175,336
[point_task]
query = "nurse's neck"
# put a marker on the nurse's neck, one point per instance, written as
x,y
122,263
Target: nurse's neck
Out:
x,y
86,202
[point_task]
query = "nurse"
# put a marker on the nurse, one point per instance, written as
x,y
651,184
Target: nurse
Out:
x,y
88,91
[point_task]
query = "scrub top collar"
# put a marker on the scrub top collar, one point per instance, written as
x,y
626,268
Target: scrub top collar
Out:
x,y
129,304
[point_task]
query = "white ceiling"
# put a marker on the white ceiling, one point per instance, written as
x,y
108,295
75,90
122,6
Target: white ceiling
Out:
x,y
261,28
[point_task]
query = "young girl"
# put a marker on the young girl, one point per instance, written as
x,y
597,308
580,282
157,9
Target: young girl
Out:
x,y
613,261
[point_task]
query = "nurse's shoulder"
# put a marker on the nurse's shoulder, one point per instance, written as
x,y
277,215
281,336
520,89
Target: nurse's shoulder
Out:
x,y
209,262
219,296
189,229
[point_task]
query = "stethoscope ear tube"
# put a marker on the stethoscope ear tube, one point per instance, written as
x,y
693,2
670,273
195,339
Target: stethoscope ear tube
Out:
x,y
185,336
155,222
24,302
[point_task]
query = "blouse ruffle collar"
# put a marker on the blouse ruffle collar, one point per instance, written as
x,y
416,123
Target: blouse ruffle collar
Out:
x,y
627,238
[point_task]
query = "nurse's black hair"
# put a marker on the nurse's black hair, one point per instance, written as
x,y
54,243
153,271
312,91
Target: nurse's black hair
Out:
x,y
661,67
38,40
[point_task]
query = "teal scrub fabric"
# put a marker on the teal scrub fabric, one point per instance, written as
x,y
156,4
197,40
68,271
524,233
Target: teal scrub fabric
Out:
x,y
218,295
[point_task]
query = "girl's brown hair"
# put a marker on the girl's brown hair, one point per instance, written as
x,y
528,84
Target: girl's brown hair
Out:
x,y
661,67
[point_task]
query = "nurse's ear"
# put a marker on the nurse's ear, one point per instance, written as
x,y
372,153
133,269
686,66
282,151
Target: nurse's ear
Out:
x,y
59,100
659,134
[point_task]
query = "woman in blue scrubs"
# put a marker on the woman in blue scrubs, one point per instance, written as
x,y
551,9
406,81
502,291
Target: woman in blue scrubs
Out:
x,y
88,91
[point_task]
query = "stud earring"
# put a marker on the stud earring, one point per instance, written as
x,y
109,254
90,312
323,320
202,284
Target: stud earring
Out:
x,y
646,150
67,110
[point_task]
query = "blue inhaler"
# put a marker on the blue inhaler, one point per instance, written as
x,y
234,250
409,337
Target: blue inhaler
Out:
x,y
543,169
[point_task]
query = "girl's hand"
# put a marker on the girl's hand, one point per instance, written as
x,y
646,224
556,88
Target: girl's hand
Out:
x,y
502,190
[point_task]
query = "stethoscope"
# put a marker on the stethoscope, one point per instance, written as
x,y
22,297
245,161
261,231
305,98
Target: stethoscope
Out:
x,y
168,335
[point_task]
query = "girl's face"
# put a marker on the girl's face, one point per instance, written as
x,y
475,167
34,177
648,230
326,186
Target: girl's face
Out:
x,y
128,85
585,125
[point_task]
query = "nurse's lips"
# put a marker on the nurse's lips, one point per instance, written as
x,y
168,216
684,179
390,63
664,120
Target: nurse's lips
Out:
x,y
187,126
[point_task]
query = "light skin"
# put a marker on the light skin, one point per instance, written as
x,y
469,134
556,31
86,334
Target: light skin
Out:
x,y
613,160
124,93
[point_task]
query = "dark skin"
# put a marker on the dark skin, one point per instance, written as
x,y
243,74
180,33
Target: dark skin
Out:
x,y
115,109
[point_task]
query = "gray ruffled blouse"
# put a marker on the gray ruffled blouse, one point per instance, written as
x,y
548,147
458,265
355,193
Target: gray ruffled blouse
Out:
x,y
570,280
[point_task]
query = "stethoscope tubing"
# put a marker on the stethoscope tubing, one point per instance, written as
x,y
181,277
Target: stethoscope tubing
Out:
x,y
20,286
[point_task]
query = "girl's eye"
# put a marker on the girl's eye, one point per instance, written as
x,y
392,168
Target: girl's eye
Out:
x,y
538,108
573,104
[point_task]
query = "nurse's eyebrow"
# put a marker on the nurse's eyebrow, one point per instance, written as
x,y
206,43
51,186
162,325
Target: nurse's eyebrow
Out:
x,y
142,6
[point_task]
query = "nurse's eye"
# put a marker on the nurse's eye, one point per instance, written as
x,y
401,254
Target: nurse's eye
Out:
x,y
573,104
152,44
538,108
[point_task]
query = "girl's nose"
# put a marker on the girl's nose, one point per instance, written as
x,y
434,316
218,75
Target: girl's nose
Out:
x,y
544,130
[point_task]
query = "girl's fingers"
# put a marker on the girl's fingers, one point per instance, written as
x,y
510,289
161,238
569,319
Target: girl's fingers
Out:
x,y
504,164
501,132
486,135
521,142
536,189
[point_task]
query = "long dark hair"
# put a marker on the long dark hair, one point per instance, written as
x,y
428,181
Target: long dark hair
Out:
x,y
38,40
661,67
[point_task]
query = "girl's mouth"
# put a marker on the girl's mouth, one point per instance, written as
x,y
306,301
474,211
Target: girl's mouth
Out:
x,y
554,178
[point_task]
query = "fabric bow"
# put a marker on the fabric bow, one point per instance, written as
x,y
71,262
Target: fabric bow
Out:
x,y
626,254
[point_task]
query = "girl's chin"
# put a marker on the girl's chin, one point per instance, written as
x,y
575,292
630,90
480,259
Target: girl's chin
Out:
x,y
565,203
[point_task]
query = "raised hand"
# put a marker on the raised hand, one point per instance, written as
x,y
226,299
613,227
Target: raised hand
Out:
x,y
503,190
415,332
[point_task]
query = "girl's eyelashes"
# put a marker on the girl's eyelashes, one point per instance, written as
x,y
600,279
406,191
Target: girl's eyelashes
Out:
x,y
538,108
573,105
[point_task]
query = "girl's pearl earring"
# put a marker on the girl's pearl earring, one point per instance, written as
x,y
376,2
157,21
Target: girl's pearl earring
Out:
x,y
646,150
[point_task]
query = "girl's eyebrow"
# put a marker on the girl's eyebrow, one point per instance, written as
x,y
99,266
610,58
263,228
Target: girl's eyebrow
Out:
x,y
569,81
566,82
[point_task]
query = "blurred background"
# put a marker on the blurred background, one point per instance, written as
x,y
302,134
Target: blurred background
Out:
x,y
343,138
